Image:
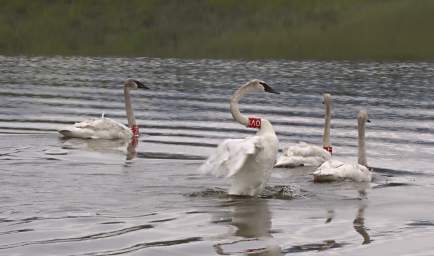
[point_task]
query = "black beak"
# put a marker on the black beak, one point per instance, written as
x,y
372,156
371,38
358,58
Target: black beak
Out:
x,y
268,88
271,90
368,121
140,85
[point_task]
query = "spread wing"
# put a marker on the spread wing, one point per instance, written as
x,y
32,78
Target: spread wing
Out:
x,y
231,156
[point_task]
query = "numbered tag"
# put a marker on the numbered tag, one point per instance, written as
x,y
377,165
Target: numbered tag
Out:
x,y
329,149
135,130
254,122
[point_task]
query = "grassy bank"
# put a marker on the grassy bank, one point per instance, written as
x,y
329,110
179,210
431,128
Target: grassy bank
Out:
x,y
293,29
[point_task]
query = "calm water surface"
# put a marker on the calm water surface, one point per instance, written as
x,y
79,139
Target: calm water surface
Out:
x,y
83,197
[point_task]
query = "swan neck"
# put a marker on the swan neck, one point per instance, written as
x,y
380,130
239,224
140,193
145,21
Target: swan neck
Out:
x,y
129,108
361,144
266,128
234,106
327,124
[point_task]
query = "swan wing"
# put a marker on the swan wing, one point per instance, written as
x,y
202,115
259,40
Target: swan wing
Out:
x,y
98,124
303,154
335,170
290,161
231,156
308,150
97,128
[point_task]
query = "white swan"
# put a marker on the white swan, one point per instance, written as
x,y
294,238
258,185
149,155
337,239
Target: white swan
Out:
x,y
333,170
246,162
106,128
304,154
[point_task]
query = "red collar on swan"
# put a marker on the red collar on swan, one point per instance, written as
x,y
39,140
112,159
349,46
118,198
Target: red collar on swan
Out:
x,y
135,130
254,122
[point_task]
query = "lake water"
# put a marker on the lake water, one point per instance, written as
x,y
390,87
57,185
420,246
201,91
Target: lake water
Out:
x,y
87,197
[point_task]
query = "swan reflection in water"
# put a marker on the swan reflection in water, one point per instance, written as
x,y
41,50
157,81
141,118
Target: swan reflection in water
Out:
x,y
358,225
251,220
359,220
104,146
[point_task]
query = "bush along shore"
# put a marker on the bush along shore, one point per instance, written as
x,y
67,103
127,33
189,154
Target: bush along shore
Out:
x,y
250,29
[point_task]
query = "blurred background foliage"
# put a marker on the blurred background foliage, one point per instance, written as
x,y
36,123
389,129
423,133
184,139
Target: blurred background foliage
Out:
x,y
282,29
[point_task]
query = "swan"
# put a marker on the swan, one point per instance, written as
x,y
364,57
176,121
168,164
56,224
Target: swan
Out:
x,y
246,162
333,170
106,128
304,154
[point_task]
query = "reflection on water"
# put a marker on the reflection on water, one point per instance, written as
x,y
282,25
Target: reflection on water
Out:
x,y
359,220
104,146
359,225
131,149
90,197
251,218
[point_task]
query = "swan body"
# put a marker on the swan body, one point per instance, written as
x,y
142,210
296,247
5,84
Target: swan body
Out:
x,y
106,128
303,154
246,162
334,170
97,128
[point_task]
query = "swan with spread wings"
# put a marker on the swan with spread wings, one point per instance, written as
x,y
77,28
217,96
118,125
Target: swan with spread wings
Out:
x,y
246,162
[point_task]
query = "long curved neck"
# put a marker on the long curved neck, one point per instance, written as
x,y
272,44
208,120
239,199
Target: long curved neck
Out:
x,y
234,106
129,108
327,124
361,143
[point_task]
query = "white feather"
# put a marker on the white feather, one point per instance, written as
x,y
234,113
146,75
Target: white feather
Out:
x,y
303,154
334,170
97,128
230,156
246,162
106,128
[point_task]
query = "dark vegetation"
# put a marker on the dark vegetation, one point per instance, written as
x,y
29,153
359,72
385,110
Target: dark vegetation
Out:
x,y
290,29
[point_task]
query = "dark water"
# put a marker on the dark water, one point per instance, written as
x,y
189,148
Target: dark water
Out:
x,y
79,197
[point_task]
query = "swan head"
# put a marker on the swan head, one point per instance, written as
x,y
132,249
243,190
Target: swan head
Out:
x,y
327,98
134,84
261,85
362,116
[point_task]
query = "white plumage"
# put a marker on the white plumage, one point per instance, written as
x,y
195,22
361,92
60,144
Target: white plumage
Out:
x,y
246,162
333,170
97,128
106,128
303,154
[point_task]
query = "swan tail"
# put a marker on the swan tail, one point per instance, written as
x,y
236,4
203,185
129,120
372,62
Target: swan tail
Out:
x,y
74,132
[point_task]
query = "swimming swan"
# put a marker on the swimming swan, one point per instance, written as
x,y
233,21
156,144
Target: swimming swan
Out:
x,y
106,128
304,154
246,162
333,170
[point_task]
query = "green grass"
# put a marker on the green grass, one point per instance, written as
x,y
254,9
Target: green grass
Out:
x,y
284,29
